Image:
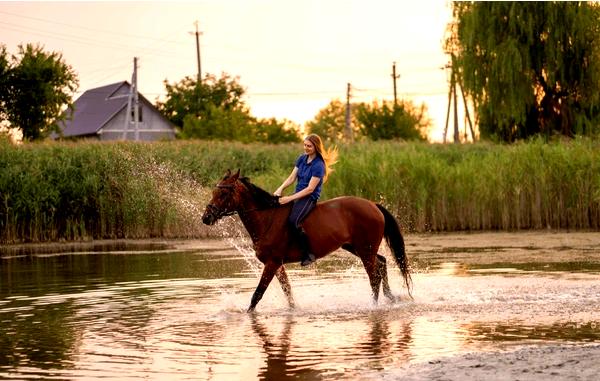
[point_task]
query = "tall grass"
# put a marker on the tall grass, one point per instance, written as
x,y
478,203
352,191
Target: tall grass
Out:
x,y
530,185
71,191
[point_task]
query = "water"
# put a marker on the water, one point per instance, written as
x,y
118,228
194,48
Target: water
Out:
x,y
177,310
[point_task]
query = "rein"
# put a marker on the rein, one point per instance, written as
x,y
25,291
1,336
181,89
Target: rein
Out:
x,y
218,213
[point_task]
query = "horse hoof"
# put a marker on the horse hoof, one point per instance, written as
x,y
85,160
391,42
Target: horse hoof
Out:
x,y
310,259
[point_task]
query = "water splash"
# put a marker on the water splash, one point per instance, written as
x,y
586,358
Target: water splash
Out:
x,y
188,199
177,199
232,230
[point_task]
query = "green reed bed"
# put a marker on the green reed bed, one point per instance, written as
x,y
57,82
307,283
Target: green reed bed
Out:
x,y
478,187
72,191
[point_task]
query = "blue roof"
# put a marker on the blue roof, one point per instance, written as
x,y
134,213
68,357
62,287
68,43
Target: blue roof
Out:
x,y
95,108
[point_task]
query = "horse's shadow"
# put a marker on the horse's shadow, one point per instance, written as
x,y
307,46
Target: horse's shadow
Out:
x,y
283,363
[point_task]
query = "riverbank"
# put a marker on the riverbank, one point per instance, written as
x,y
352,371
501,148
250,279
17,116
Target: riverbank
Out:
x,y
563,245
122,246
546,362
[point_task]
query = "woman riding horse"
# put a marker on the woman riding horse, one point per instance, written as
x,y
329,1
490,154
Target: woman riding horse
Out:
x,y
311,171
352,223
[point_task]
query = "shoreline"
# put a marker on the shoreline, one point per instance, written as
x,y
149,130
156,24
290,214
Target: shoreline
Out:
x,y
530,362
416,243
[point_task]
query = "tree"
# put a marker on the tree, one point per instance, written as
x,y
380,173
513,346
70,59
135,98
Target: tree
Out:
x,y
239,125
214,109
189,97
274,131
374,121
4,70
330,122
389,121
35,88
529,67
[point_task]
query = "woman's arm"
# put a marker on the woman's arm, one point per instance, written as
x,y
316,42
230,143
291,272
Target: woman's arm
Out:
x,y
289,181
312,184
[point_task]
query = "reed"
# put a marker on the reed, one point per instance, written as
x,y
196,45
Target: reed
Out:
x,y
88,190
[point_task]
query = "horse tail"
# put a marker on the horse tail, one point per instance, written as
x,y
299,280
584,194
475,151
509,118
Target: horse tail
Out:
x,y
393,237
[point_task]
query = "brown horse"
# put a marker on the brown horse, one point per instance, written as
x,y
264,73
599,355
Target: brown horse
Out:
x,y
352,223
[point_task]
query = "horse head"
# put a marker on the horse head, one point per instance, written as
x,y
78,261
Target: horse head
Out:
x,y
225,199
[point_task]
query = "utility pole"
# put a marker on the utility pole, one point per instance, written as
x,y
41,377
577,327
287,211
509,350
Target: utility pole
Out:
x,y
348,129
452,96
136,101
466,110
455,80
132,101
198,33
394,77
456,133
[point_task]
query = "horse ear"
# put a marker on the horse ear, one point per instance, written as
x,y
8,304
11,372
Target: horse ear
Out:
x,y
236,175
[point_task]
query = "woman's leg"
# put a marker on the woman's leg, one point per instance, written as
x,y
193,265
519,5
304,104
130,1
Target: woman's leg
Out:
x,y
300,210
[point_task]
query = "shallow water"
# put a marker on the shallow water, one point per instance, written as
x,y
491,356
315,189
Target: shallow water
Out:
x,y
177,310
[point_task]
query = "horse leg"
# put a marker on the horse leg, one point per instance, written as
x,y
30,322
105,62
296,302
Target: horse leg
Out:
x,y
371,264
281,275
380,274
387,291
266,278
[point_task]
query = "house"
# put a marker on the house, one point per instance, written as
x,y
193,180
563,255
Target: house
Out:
x,y
100,113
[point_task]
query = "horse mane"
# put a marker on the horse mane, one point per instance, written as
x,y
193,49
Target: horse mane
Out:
x,y
264,199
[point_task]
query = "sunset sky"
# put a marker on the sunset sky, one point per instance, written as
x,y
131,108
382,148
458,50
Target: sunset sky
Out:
x,y
293,57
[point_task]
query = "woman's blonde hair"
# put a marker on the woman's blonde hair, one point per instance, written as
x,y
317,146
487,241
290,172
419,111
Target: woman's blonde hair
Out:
x,y
329,155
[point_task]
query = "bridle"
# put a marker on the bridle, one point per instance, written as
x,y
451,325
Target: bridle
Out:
x,y
218,212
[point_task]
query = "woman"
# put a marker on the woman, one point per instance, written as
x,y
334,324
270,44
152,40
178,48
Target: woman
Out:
x,y
311,171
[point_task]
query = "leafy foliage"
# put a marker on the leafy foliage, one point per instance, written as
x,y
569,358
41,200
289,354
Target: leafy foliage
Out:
x,y
35,87
188,97
330,122
373,121
529,67
214,109
238,125
389,121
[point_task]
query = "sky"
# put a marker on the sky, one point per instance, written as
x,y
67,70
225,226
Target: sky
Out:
x,y
293,57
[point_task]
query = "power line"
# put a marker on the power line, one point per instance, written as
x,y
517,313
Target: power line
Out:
x,y
89,40
82,27
68,37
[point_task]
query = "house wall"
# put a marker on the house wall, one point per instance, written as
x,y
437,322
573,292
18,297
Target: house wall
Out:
x,y
151,127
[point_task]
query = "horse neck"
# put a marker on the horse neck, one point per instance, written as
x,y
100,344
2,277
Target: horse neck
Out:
x,y
258,222
250,216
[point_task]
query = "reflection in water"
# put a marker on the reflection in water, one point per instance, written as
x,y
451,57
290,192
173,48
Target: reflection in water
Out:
x,y
38,337
367,341
277,366
524,331
181,315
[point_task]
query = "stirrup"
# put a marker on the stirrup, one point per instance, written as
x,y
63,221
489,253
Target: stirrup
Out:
x,y
310,258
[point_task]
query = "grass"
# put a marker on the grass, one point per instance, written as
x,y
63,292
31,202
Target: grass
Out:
x,y
87,190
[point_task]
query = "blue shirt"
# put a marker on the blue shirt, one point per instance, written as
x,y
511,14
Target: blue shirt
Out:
x,y
306,171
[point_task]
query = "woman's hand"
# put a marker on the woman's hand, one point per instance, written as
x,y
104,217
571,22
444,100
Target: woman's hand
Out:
x,y
284,200
278,192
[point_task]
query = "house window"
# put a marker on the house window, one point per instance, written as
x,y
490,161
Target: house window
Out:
x,y
139,113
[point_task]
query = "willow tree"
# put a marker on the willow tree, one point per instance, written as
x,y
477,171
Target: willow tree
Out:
x,y
529,67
